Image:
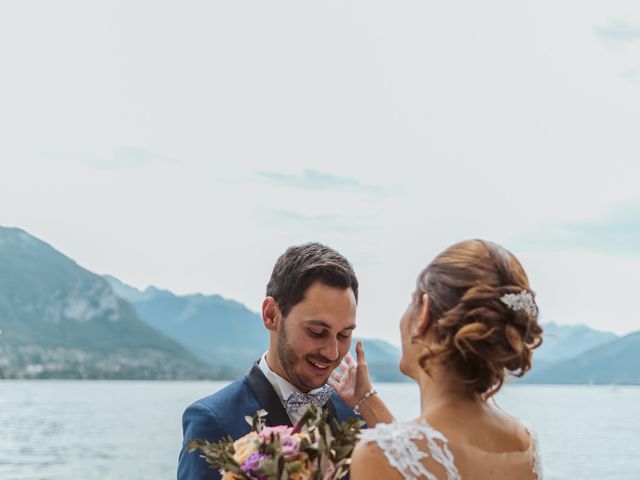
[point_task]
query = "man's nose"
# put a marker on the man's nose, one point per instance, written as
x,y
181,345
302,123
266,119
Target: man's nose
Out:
x,y
330,349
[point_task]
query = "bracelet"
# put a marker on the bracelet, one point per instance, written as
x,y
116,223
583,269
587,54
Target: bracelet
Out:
x,y
356,408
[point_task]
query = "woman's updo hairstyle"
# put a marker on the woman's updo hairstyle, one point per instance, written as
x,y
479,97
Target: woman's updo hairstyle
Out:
x,y
477,333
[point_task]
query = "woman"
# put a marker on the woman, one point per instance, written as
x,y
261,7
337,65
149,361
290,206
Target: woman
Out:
x,y
471,320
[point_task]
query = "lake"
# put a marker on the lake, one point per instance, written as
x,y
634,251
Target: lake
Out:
x,y
130,430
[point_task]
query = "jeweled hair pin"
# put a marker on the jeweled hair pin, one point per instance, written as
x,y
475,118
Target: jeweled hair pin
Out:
x,y
520,301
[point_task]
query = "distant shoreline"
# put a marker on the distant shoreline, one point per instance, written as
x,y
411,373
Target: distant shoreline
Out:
x,y
161,380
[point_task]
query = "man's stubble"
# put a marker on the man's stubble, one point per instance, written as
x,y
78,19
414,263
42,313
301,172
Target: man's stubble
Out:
x,y
289,359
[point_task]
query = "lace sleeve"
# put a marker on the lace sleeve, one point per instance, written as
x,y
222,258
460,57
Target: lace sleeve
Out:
x,y
396,440
537,460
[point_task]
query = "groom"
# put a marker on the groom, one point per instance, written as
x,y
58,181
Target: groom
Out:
x,y
310,312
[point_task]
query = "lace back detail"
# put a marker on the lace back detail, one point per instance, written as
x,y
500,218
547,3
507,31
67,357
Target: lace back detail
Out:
x,y
537,459
396,440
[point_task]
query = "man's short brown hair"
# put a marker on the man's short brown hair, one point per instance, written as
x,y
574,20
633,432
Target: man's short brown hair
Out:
x,y
301,266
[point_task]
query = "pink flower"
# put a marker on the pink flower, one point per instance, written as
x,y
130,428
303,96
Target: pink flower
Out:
x,y
278,431
290,447
331,469
289,442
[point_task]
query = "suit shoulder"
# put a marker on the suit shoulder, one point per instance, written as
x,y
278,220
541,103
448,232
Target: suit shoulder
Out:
x,y
231,402
212,417
230,393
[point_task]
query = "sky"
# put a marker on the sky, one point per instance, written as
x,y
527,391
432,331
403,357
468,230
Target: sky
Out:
x,y
188,144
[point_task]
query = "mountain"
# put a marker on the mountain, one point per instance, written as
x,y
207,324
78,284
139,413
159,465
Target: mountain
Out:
x,y
562,342
224,332
216,330
58,320
615,362
383,360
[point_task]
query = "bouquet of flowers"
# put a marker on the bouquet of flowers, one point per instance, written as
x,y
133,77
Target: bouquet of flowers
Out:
x,y
315,449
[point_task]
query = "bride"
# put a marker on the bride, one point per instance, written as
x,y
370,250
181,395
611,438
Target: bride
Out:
x,y
471,320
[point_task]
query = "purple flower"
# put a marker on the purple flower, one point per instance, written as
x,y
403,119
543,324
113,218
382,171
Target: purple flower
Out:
x,y
253,463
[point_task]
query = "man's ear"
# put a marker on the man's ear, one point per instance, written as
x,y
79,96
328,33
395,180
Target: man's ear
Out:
x,y
424,317
270,313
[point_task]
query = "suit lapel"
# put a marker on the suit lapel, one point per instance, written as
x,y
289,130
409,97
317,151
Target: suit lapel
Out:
x,y
332,410
267,397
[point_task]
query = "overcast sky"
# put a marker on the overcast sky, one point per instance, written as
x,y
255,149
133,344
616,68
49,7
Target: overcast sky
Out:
x,y
187,144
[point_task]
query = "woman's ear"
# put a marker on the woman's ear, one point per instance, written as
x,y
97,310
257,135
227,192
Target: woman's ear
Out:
x,y
424,316
270,313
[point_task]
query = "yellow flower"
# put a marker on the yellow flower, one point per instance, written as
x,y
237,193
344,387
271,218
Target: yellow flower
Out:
x,y
302,435
305,473
245,447
228,476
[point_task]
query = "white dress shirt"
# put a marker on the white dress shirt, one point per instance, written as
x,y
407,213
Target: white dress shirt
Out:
x,y
283,388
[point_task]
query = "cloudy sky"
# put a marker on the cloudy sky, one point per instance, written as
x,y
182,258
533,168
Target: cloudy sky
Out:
x,y
187,144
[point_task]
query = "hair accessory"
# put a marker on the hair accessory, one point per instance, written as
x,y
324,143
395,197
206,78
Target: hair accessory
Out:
x,y
356,409
520,301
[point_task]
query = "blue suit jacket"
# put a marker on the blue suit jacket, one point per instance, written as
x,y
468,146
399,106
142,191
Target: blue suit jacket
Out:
x,y
216,416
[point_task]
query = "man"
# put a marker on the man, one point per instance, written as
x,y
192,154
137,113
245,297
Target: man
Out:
x,y
310,312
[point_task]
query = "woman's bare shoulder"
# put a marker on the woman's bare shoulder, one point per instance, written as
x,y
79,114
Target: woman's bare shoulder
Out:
x,y
487,428
369,461
403,450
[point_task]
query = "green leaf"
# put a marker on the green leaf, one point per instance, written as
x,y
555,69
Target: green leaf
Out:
x,y
294,466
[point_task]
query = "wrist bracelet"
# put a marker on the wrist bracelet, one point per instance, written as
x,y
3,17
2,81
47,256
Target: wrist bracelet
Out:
x,y
356,408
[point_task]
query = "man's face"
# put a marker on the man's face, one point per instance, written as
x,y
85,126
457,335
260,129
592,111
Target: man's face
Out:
x,y
316,335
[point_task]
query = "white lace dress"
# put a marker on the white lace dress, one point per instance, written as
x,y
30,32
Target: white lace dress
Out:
x,y
399,443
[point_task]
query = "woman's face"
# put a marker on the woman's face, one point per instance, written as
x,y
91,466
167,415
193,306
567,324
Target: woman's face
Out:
x,y
410,350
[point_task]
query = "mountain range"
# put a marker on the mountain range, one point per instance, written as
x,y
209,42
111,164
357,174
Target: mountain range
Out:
x,y
613,362
562,342
224,332
58,320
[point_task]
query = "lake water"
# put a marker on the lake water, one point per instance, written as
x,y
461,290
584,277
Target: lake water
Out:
x,y
55,430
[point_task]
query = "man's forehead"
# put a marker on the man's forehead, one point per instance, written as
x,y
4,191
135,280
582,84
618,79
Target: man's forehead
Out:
x,y
329,307
324,324
320,288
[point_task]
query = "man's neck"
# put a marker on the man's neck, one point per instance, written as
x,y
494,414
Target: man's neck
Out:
x,y
273,362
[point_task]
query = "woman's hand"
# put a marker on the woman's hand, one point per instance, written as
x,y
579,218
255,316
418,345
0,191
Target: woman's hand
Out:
x,y
351,379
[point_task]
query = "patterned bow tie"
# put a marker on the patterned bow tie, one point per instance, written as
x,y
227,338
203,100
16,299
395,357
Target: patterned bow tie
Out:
x,y
297,399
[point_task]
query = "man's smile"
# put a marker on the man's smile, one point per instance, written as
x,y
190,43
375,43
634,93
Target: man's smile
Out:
x,y
320,368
